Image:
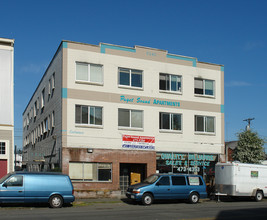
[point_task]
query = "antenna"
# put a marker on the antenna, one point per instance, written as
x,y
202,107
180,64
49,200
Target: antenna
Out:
x,y
248,120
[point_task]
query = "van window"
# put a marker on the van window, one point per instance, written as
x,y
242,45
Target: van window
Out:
x,y
178,180
15,181
165,181
194,180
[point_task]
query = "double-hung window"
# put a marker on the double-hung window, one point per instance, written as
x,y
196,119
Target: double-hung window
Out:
x,y
204,87
88,115
130,77
204,124
130,118
2,147
168,82
91,73
170,121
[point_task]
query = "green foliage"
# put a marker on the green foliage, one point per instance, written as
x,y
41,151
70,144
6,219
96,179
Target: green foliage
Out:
x,y
249,148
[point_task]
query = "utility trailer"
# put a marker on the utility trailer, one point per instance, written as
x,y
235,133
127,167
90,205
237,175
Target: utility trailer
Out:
x,y
239,179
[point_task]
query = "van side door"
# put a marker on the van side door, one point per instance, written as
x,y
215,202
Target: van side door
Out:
x,y
179,188
12,190
162,188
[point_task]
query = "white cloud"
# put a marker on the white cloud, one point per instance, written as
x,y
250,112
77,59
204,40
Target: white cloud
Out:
x,y
237,84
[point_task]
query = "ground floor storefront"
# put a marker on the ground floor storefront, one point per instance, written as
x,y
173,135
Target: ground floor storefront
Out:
x,y
108,173
104,172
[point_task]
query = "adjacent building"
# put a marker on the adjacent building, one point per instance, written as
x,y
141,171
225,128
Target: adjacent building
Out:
x,y
6,106
110,115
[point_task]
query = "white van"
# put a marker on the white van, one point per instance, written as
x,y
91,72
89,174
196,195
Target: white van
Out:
x,y
240,179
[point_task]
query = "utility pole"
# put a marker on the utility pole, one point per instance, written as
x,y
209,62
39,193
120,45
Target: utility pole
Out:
x,y
15,157
248,120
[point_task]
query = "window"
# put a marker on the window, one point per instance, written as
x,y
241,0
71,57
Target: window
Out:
x,y
90,171
53,120
164,181
194,180
43,98
90,115
35,109
89,72
130,77
204,87
178,180
2,148
204,124
169,82
45,125
15,181
49,88
53,81
170,121
130,118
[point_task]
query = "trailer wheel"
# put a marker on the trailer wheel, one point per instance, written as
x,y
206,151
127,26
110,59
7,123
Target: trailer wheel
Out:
x,y
258,196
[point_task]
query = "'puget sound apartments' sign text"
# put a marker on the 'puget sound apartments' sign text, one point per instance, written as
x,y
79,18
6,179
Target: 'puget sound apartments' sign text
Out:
x,y
151,101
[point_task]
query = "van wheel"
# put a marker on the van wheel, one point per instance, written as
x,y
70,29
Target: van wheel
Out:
x,y
258,196
147,199
194,198
56,201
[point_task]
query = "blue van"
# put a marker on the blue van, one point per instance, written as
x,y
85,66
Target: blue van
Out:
x,y
168,186
25,187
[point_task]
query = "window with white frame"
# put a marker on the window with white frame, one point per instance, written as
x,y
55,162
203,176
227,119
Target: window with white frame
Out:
x,y
204,87
130,118
35,109
130,77
89,72
53,120
95,172
45,125
53,81
88,115
2,147
204,124
42,98
170,121
49,88
168,82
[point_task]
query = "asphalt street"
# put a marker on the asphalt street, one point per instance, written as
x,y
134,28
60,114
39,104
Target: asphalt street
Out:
x,y
123,209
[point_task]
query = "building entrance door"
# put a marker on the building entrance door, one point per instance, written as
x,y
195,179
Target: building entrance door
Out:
x,y
3,168
131,174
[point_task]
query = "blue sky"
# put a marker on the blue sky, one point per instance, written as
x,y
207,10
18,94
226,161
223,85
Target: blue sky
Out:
x,y
228,32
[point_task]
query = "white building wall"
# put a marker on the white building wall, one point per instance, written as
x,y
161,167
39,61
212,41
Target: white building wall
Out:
x,y
110,136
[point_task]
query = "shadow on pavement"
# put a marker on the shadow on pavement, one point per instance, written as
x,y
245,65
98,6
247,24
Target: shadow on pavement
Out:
x,y
244,214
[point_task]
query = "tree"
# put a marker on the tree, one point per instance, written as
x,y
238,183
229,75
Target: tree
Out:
x,y
249,148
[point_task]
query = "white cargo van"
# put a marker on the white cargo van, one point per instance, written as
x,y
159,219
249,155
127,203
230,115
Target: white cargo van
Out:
x,y
240,179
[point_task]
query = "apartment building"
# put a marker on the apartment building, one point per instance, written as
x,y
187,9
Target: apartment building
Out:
x,y
6,106
110,115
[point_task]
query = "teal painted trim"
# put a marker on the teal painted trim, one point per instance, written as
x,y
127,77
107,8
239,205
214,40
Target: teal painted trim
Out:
x,y
222,108
222,68
65,44
104,46
194,61
64,93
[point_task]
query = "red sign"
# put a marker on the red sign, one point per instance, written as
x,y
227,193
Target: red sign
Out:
x,y
138,142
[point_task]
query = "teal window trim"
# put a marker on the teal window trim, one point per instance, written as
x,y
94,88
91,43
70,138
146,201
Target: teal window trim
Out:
x,y
104,47
65,44
222,108
222,68
193,60
64,93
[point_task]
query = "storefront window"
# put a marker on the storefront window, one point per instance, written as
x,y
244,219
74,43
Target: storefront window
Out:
x,y
191,163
